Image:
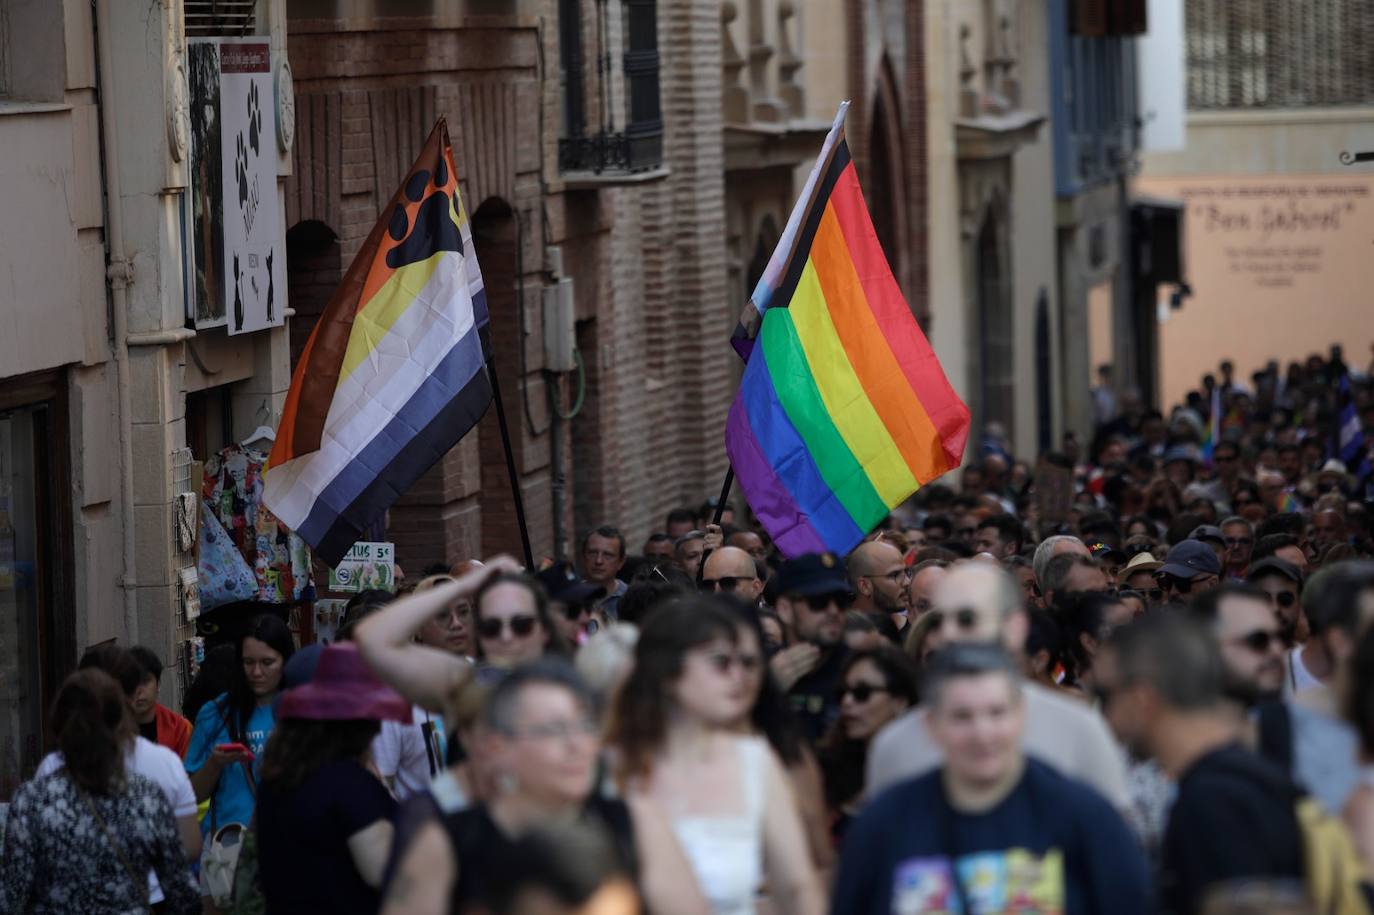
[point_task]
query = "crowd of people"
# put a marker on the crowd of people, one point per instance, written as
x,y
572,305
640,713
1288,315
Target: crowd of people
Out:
x,y
1150,690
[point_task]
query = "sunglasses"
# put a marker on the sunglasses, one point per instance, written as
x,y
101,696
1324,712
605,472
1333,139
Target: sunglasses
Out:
x,y
1239,541
573,611
819,603
726,583
1284,598
520,627
1154,594
1259,640
964,618
861,692
1181,585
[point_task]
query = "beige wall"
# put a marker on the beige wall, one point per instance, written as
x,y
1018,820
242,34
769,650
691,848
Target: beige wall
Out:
x,y
1277,294
1280,267
1032,229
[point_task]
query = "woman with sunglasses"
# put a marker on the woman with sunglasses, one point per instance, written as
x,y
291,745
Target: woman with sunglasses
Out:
x,y
876,686
539,739
726,794
513,623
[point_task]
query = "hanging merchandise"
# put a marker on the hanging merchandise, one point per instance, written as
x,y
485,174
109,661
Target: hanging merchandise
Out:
x,y
224,575
279,559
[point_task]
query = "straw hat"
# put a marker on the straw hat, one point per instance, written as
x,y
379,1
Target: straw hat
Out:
x,y
1140,562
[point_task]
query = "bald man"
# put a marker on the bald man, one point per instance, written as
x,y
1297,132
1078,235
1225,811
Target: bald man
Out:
x,y
878,576
921,592
750,542
979,602
731,570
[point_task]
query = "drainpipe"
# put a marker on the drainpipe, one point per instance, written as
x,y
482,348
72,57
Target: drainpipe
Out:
x,y
120,273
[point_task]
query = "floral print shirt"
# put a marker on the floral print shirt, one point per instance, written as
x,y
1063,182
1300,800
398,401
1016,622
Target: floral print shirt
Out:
x,y
57,859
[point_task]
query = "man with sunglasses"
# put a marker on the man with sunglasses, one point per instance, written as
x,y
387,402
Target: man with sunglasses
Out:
x,y
879,576
570,601
730,570
1190,568
813,595
980,602
1318,752
990,829
1160,683
1281,582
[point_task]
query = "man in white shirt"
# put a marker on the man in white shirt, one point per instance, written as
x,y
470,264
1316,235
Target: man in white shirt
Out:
x,y
979,602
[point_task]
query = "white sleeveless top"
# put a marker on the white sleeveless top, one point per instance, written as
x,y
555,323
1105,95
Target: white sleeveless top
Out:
x,y
726,853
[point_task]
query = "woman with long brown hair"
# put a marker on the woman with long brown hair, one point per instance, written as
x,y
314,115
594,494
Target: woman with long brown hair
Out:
x,y
726,793
84,838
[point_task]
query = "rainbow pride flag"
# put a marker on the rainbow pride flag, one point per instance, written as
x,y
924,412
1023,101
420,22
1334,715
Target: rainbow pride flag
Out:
x,y
395,372
844,410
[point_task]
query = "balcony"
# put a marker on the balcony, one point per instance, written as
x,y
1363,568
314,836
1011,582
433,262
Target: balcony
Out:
x,y
625,145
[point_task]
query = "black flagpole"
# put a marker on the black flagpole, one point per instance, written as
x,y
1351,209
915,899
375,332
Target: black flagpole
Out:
x,y
720,511
510,465
724,494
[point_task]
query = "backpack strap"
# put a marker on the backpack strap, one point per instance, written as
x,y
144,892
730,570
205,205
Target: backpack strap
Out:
x,y
1276,735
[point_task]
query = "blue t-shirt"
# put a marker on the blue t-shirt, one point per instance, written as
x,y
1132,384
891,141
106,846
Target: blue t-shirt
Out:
x,y
1052,845
232,801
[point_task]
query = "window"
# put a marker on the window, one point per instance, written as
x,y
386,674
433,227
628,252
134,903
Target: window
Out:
x,y
604,147
1295,54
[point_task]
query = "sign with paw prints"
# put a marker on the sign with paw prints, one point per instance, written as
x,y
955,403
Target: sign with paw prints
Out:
x,y
240,262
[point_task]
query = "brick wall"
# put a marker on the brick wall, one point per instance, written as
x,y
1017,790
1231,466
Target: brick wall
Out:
x,y
647,259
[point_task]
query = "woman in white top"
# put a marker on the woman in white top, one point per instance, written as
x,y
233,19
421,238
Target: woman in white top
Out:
x,y
726,794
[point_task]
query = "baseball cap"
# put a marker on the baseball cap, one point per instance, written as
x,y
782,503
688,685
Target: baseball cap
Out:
x,y
1271,565
563,585
1104,553
1207,532
812,574
1190,453
1191,558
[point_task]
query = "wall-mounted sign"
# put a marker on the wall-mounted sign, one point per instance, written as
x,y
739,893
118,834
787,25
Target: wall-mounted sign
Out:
x,y
366,565
240,269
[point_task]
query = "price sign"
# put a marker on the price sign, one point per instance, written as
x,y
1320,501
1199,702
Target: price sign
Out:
x,y
365,567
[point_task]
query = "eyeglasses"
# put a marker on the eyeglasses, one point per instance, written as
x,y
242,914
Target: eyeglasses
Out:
x,y
965,618
724,662
861,692
726,583
1239,541
1258,641
520,626
559,730
1154,594
897,577
819,603
460,613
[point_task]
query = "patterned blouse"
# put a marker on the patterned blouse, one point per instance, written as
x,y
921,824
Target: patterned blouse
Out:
x,y
57,859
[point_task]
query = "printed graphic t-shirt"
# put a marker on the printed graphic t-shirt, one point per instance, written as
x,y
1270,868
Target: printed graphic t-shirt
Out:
x,y
232,801
1051,846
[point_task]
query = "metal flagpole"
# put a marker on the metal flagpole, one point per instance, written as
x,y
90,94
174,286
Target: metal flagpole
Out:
x,y
510,464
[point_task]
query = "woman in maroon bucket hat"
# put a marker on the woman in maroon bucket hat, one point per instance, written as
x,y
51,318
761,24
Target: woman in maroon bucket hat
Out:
x,y
324,817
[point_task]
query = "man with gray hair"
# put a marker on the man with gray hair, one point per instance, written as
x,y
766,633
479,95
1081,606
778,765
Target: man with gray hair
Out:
x,y
1051,547
980,602
994,823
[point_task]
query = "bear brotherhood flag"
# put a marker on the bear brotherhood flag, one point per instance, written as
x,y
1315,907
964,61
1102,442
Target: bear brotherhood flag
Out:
x,y
844,410
395,372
